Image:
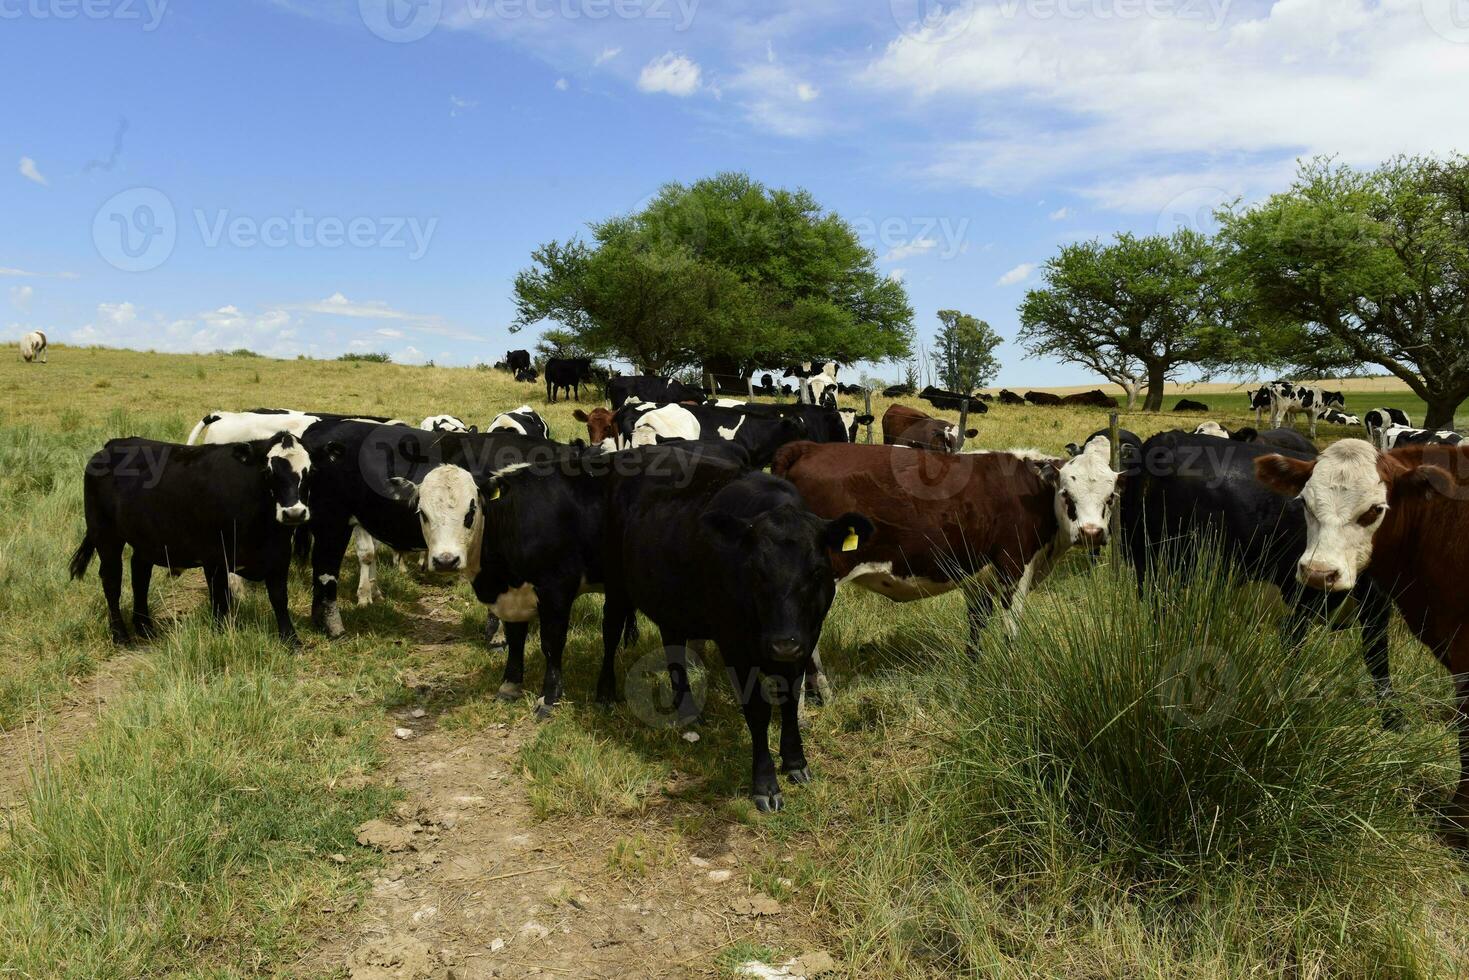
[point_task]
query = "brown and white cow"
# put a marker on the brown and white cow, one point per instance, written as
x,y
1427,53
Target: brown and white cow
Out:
x,y
1404,516
601,428
904,426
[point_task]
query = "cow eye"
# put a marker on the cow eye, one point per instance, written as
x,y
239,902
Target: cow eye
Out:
x,y
1370,516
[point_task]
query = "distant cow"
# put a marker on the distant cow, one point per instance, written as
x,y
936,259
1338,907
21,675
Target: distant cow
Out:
x,y
1184,405
1092,399
445,423
952,400
648,388
566,374
229,509
1260,402
527,376
1288,398
1008,397
33,347
524,420
1334,417
517,360
732,557
904,426
1379,420
810,369
1042,398
904,390
1280,438
1396,436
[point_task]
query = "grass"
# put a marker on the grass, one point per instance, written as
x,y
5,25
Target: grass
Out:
x,y
1062,806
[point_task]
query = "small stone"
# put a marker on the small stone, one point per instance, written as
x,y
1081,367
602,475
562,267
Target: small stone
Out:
x,y
581,901
403,733
386,837
496,945
417,713
698,862
534,931
339,858
720,876
690,737
815,964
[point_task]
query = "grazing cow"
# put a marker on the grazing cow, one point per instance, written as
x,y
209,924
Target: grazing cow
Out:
x,y
1042,398
904,426
601,428
1091,399
822,389
445,423
1379,420
229,509
733,557
1397,436
650,389
566,374
903,390
1401,517
1334,417
1001,519
759,435
1260,402
518,360
1008,397
527,376
33,347
524,420
951,400
1185,405
1286,399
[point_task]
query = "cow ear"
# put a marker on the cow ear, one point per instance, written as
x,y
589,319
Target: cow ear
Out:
x,y
970,433
403,491
1246,434
1422,480
865,419
1049,470
848,532
242,452
580,416
730,528
490,488
474,428
1284,475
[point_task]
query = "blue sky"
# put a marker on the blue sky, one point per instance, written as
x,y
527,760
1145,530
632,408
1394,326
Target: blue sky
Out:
x,y
318,177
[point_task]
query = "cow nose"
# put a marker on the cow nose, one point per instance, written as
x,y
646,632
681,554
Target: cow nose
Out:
x,y
1093,536
446,562
295,515
788,649
1319,576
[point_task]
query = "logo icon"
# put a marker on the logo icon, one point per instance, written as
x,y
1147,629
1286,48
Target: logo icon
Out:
x,y
932,21
401,21
1198,688
1193,209
136,230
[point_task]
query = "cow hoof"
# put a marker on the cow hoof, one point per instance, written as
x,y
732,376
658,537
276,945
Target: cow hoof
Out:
x,y
145,628
814,697
801,775
769,803
509,691
544,711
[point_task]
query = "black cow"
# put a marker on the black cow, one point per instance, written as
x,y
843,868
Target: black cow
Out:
x,y
524,420
566,373
733,557
1095,398
1008,397
229,509
1185,405
1042,398
1130,453
648,388
527,376
1379,420
1288,439
903,390
517,360
823,423
952,400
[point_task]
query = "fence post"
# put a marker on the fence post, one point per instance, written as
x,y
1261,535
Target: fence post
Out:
x,y
963,420
750,386
709,383
1114,433
867,410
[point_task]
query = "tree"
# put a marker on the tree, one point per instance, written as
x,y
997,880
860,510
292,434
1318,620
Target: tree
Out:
x,y
1351,267
966,352
1137,306
724,273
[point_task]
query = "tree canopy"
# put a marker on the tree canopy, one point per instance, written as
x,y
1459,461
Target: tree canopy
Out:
x,y
965,351
723,271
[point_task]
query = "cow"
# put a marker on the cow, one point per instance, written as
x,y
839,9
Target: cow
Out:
x,y
1129,448
566,374
1396,436
1333,417
1399,517
1045,398
1185,405
903,390
1286,399
759,435
809,369
734,557
1008,397
601,428
1379,420
445,423
221,427
951,400
33,347
1260,402
650,389
524,420
517,360
1091,399
904,426
823,423
1196,489
1280,438
527,376
229,509
1212,429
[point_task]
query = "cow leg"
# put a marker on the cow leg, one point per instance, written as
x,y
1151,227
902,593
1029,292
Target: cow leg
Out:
x,y
765,788
1374,614
512,684
818,688
676,652
980,602
366,548
221,600
328,546
142,575
616,611
554,624
109,569
275,588
792,752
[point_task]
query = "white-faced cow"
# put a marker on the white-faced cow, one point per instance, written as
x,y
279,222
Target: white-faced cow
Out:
x,y
524,420
445,423
33,347
228,509
1403,517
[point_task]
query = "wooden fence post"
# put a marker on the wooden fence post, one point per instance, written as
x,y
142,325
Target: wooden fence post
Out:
x,y
1114,433
867,410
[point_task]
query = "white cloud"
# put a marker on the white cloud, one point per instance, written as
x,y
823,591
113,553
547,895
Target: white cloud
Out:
x,y
806,92
458,105
670,73
897,275
917,246
389,332
339,305
1016,275
775,98
9,273
31,172
117,314
607,55
20,297
1060,214
562,85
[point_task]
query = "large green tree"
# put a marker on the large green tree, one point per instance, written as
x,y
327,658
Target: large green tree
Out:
x,y
724,273
1352,267
1135,306
965,351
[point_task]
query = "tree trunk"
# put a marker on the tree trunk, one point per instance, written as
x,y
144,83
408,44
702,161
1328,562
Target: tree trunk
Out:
x,y
1157,378
1441,413
1130,385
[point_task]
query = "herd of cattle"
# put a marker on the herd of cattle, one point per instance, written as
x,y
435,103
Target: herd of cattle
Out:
x,y
667,508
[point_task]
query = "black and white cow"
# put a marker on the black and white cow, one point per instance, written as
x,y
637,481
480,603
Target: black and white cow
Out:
x,y
221,427
647,388
1333,417
823,423
229,509
1287,398
524,420
446,423
566,374
1396,436
1260,402
33,347
759,435
1379,420
810,369
734,557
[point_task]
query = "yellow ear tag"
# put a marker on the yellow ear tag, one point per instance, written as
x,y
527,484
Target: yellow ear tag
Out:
x,y
496,494
849,543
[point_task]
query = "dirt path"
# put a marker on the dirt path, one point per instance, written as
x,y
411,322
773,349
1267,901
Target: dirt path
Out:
x,y
475,886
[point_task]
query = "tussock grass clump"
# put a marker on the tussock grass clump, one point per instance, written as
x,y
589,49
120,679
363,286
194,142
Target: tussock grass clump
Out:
x,y
1149,779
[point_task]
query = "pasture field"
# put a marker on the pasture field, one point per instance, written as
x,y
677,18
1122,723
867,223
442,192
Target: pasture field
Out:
x,y
1132,786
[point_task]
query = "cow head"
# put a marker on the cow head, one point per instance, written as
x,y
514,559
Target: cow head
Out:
x,y
601,428
287,467
1086,491
1348,492
785,562
450,505
445,423
1212,429
1337,398
851,420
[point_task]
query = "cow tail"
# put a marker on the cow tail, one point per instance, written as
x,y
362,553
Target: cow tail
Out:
x,y
83,556
199,429
786,457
